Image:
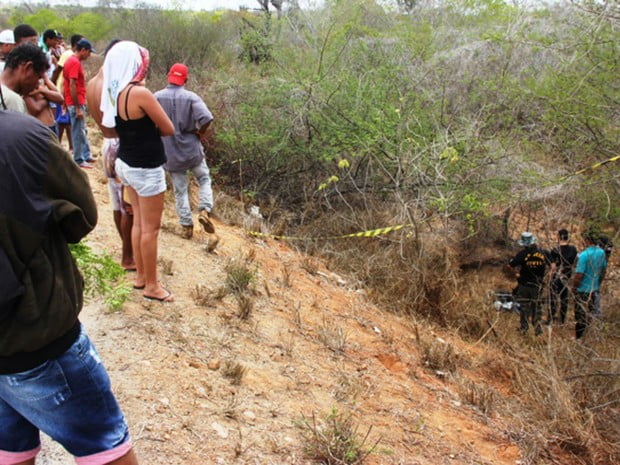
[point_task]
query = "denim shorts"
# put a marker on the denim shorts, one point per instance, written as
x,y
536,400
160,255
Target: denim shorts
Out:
x,y
68,398
147,182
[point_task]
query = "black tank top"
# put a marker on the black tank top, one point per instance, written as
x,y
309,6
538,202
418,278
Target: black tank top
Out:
x,y
140,144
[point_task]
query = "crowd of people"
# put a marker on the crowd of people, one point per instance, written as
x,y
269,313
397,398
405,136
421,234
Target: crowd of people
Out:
x,y
51,378
563,272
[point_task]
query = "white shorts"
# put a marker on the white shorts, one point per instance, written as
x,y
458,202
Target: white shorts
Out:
x,y
147,182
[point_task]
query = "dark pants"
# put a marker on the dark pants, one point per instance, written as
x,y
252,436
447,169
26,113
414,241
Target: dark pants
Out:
x,y
585,306
558,298
528,298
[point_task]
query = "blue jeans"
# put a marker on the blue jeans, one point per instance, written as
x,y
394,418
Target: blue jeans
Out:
x,y
81,149
180,183
70,399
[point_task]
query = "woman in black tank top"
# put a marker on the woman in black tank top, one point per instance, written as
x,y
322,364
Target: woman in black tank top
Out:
x,y
140,123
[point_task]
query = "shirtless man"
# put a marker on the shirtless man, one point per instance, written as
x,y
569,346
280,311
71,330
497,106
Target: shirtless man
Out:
x,y
123,218
38,103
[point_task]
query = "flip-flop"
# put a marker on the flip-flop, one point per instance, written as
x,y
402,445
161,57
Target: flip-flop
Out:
x,y
130,270
135,286
163,299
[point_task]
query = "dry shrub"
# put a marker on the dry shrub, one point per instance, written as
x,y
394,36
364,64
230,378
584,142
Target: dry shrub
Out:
x,y
246,304
439,355
229,209
241,273
167,266
569,397
286,275
411,270
480,396
204,297
310,265
234,371
333,337
335,441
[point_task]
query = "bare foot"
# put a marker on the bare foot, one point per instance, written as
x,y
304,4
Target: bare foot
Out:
x,y
163,296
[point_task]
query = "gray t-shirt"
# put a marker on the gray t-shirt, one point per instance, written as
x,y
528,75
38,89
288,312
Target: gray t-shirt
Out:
x,y
13,101
188,113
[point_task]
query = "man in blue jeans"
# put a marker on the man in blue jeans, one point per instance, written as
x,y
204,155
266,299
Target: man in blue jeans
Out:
x,y
74,89
589,274
184,150
51,377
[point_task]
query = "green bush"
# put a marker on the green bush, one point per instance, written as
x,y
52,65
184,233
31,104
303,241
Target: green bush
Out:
x,y
102,275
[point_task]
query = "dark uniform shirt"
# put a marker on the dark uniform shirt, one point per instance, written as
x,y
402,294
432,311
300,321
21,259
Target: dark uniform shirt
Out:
x,y
564,257
532,262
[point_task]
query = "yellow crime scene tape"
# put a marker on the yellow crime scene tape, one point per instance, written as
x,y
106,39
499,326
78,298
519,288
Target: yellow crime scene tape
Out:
x,y
368,233
389,229
592,167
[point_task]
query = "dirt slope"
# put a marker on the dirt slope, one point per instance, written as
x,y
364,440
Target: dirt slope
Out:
x,y
312,343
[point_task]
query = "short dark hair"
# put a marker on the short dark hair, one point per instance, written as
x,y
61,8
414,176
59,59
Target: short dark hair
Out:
x,y
50,34
563,234
75,38
24,53
22,31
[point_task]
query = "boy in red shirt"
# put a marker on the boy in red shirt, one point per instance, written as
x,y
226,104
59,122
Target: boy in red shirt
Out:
x,y
75,98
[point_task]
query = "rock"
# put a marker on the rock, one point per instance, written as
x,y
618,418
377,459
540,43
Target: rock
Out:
x,y
221,431
214,364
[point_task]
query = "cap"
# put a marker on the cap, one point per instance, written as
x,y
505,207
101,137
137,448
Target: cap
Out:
x,y
177,74
7,37
85,44
527,238
50,34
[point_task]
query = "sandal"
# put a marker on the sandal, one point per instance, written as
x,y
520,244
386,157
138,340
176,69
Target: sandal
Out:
x,y
165,299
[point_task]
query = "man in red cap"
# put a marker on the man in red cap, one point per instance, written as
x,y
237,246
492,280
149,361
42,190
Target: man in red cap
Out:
x,y
184,150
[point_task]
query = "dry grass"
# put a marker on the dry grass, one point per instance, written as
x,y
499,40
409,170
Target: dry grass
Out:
x,y
234,371
333,337
229,209
286,275
204,297
439,355
563,395
310,265
480,396
297,316
246,304
167,266
241,274
335,441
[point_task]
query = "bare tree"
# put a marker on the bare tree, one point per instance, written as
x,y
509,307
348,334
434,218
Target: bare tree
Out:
x,y
277,4
407,5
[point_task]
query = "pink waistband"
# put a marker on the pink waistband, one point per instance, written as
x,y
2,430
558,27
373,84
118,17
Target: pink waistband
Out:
x,y
10,458
106,456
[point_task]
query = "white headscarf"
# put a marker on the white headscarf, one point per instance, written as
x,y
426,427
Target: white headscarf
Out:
x,y
125,62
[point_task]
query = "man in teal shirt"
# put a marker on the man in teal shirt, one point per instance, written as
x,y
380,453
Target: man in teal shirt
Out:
x,y
589,274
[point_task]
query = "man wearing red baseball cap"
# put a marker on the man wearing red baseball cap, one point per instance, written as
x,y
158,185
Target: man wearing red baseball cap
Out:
x,y
184,149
